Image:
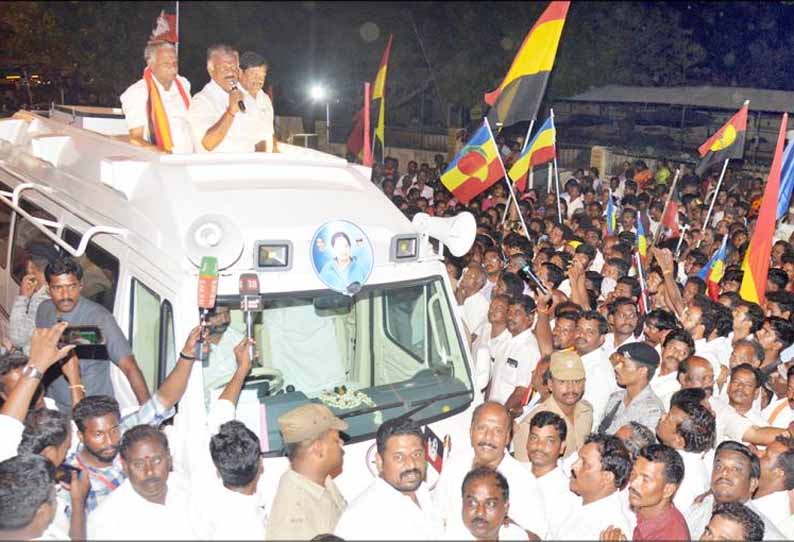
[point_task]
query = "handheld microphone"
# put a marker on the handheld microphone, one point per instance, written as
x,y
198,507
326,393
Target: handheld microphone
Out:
x,y
250,301
240,104
207,292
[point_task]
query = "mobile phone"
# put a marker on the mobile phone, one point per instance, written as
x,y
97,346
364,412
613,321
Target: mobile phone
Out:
x,y
63,474
89,342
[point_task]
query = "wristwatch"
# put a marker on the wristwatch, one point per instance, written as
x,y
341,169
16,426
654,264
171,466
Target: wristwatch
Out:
x,y
31,372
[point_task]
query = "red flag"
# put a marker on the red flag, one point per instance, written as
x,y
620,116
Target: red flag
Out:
x,y
355,141
670,220
165,28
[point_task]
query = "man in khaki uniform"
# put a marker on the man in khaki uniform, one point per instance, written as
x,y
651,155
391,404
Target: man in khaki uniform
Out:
x,y
567,390
308,502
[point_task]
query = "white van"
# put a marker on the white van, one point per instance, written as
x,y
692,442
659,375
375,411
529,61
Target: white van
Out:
x,y
140,221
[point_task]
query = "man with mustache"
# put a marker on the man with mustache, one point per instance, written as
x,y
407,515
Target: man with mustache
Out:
x,y
568,381
489,436
65,281
486,503
153,502
221,339
218,122
100,426
491,337
602,469
654,479
590,331
397,504
512,368
545,447
676,347
734,479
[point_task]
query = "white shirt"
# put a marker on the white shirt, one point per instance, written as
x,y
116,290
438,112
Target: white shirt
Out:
x,y
510,531
697,480
557,496
699,515
664,387
588,520
383,513
730,425
485,348
136,113
125,515
600,382
778,414
527,508
475,311
265,107
775,507
513,366
709,350
208,107
574,205
10,436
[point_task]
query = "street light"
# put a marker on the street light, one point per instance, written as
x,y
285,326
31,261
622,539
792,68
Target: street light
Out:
x,y
318,93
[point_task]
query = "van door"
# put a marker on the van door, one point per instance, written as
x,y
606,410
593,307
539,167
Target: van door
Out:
x,y
5,242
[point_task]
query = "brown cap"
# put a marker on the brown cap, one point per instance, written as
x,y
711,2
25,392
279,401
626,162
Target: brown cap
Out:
x,y
566,366
308,422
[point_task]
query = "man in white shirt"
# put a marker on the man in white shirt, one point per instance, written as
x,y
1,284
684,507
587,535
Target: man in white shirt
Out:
x,y
677,346
689,428
512,370
486,504
623,318
491,337
217,121
472,303
253,72
603,467
776,480
780,413
152,503
490,435
397,504
160,91
545,447
734,479
600,376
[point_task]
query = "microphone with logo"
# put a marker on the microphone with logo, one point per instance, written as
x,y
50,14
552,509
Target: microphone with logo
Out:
x,y
207,292
240,104
250,302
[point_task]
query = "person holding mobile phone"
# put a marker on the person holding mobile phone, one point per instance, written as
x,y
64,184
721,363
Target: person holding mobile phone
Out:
x,y
33,291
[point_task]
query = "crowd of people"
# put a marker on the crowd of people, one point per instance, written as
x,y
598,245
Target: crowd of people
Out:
x,y
623,396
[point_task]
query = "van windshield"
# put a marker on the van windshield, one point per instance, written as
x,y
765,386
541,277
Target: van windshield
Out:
x,y
390,350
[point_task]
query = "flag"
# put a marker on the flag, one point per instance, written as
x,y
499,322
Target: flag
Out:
x,y
727,142
756,259
670,220
644,303
519,95
786,180
379,96
612,216
713,271
475,168
165,28
355,141
642,241
539,150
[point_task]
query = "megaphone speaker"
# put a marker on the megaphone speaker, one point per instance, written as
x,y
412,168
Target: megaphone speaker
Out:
x,y
214,235
456,233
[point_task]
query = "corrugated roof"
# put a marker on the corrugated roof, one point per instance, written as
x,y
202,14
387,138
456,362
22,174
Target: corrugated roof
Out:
x,y
773,101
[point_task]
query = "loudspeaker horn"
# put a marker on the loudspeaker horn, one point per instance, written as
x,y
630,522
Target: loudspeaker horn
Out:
x,y
214,235
456,232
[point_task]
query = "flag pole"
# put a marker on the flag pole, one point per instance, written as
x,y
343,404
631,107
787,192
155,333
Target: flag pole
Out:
x,y
549,180
177,29
523,148
716,191
666,205
643,290
531,178
684,228
556,172
507,180
367,149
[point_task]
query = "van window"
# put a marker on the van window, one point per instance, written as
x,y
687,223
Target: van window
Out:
x,y
167,341
26,233
145,331
5,228
100,271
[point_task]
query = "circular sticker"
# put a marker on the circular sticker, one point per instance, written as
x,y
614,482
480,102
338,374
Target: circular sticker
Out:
x,y
342,256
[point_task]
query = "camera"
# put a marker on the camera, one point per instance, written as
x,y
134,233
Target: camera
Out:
x,y
89,342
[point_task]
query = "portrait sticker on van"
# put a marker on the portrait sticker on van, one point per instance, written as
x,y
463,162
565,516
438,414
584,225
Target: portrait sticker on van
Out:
x,y
342,256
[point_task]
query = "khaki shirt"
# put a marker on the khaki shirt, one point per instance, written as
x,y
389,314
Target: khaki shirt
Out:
x,y
582,426
302,509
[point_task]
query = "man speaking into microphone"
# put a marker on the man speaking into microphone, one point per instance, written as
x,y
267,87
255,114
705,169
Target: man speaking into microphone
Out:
x,y
221,115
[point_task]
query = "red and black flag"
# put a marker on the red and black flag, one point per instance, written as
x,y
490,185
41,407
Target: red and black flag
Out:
x,y
727,142
519,95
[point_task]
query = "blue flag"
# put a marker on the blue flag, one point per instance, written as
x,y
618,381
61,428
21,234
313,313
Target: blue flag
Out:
x,y
786,180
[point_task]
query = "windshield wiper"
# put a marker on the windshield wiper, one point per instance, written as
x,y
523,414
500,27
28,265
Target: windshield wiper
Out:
x,y
415,406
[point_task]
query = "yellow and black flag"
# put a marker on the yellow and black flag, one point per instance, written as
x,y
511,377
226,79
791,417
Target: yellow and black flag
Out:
x,y
518,97
727,142
379,100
